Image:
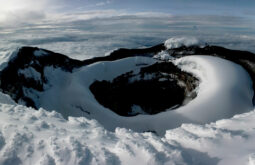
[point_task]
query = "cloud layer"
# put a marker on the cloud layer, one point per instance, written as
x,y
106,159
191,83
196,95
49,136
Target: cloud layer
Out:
x,y
94,35
85,34
13,12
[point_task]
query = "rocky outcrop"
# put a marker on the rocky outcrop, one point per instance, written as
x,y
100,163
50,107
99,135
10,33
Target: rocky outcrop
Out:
x,y
14,79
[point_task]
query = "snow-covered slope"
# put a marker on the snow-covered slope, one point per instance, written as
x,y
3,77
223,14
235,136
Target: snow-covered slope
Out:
x,y
41,137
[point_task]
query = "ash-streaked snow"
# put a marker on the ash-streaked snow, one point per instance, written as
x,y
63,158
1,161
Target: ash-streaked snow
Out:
x,y
30,73
40,53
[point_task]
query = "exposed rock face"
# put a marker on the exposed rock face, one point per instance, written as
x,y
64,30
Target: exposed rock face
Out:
x,y
14,80
154,89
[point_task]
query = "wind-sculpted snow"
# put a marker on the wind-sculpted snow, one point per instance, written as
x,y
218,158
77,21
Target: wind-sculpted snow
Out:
x,y
41,137
225,89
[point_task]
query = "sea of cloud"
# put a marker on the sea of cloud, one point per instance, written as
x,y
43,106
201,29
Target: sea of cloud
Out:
x,y
84,35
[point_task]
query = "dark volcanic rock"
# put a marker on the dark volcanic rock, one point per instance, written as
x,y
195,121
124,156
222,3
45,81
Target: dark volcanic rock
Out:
x,y
13,82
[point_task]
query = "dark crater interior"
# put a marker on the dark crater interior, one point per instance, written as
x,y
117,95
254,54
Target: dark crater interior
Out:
x,y
154,89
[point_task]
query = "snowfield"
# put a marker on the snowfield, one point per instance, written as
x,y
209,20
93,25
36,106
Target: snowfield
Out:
x,y
99,136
